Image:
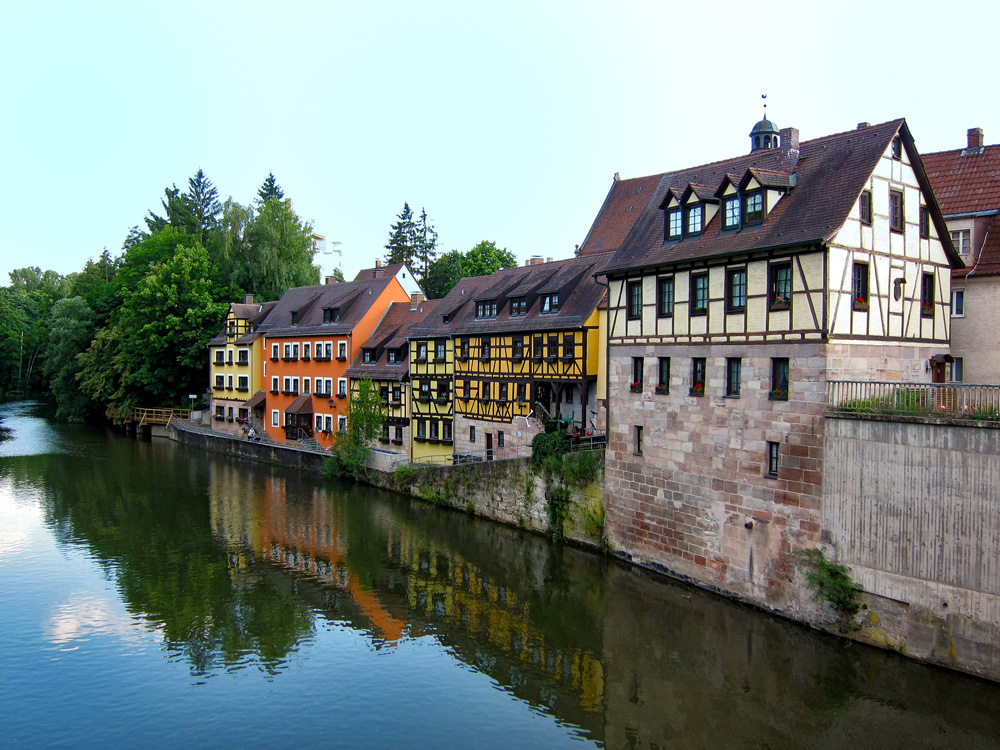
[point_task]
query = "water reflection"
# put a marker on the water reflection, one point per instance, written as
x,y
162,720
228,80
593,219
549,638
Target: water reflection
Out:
x,y
240,568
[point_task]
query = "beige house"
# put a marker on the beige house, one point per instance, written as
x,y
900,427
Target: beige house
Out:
x,y
743,287
967,186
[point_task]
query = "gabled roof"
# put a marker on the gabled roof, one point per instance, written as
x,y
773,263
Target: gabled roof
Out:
x,y
391,333
354,298
963,182
622,206
253,313
573,279
825,176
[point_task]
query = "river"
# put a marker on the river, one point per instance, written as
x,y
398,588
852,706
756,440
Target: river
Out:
x,y
156,596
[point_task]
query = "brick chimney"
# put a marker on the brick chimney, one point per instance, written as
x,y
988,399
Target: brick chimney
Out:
x,y
378,263
863,125
975,137
789,140
415,299
247,299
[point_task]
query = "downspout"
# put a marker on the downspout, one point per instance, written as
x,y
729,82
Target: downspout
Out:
x,y
607,365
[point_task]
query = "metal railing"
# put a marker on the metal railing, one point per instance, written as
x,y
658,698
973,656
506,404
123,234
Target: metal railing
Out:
x,y
955,400
505,453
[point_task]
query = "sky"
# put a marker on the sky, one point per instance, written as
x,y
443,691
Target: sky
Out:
x,y
505,121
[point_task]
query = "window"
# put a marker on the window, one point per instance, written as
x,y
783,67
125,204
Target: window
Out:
x,y
220,382
550,303
734,373
229,382
637,448
341,350
859,286
331,314
518,352
295,351
961,239
446,430
753,207
384,393
927,295
434,430
319,423
439,351
518,307
502,391
306,350
229,356
274,417
425,390
567,346
472,433
305,385
286,385
731,216
500,439
443,390
663,375
772,458
220,357
274,352
288,352
958,370
243,383
736,290
220,412
896,210
634,299
392,357
694,219
636,383
397,394
522,392
569,395
958,303
779,379
328,422
486,308
368,356
552,346
421,351
329,350
865,207
342,387
485,348
341,424
674,223
699,294
698,367
665,297
537,352
925,222
897,148
274,384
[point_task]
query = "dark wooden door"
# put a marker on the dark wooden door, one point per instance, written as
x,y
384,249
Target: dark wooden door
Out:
x,y
489,446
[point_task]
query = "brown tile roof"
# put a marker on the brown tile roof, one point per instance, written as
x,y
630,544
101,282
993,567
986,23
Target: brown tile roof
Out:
x,y
354,298
621,208
965,184
828,174
573,279
391,333
255,313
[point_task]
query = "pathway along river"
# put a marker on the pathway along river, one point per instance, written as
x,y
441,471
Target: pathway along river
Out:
x,y
154,596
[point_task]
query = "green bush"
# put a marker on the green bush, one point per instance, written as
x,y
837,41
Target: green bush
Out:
x,y
403,475
548,444
580,468
832,583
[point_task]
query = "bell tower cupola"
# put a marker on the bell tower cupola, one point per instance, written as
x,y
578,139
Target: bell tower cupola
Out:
x,y
765,133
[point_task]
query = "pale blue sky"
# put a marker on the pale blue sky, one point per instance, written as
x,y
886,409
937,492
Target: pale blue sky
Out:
x,y
506,121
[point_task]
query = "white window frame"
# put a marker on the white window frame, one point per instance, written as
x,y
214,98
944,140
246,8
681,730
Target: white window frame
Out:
x,y
956,371
963,235
243,382
341,423
275,418
958,303
275,351
274,383
342,385
342,349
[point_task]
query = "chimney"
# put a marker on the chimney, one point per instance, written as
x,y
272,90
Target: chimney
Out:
x,y
534,260
863,125
378,263
247,299
415,299
975,137
789,140
328,280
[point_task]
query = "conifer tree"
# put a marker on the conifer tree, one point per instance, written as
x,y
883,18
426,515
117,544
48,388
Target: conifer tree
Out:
x,y
270,190
402,238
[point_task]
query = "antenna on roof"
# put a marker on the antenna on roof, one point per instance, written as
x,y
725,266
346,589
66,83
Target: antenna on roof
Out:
x,y
764,97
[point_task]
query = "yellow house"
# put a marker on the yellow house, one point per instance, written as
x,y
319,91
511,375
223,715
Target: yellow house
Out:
x,y
235,357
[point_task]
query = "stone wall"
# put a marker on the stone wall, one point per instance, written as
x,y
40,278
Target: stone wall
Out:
x,y
914,510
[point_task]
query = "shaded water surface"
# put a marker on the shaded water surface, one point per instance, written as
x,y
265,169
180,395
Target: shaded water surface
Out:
x,y
153,595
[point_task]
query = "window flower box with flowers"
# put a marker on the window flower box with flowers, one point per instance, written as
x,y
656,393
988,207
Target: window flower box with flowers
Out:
x,y
698,389
780,303
777,395
663,388
636,387
860,304
927,309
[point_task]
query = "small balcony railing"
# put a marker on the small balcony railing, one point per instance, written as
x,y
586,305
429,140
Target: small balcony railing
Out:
x,y
954,400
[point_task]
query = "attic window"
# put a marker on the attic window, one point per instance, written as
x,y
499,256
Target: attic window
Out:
x,y
295,317
693,219
486,309
392,356
331,314
897,148
731,217
550,303
369,356
674,223
518,307
753,207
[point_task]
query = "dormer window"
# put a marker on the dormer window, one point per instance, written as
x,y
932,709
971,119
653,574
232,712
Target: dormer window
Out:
x,y
518,307
392,356
693,222
331,314
674,223
753,207
368,355
550,303
486,308
731,217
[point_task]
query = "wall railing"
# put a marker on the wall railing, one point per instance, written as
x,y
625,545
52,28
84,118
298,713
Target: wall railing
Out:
x,y
955,400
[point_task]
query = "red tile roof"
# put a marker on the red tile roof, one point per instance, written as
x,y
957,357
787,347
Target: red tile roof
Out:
x,y
391,333
965,184
624,203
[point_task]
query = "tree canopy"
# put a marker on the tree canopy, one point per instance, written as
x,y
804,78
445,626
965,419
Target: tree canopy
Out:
x,y
413,242
482,260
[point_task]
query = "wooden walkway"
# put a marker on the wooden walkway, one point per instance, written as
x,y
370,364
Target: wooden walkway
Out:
x,y
142,415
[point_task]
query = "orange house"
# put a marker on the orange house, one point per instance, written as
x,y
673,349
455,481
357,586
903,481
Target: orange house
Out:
x,y
309,339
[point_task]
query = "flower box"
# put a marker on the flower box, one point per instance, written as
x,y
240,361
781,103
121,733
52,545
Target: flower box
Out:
x,y
663,389
698,389
927,310
777,395
636,387
861,305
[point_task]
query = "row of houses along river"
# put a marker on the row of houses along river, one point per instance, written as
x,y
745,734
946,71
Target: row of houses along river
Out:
x,y
157,595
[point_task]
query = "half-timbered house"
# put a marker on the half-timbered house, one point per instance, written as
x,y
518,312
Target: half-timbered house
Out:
x,y
310,337
385,359
235,365
743,287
